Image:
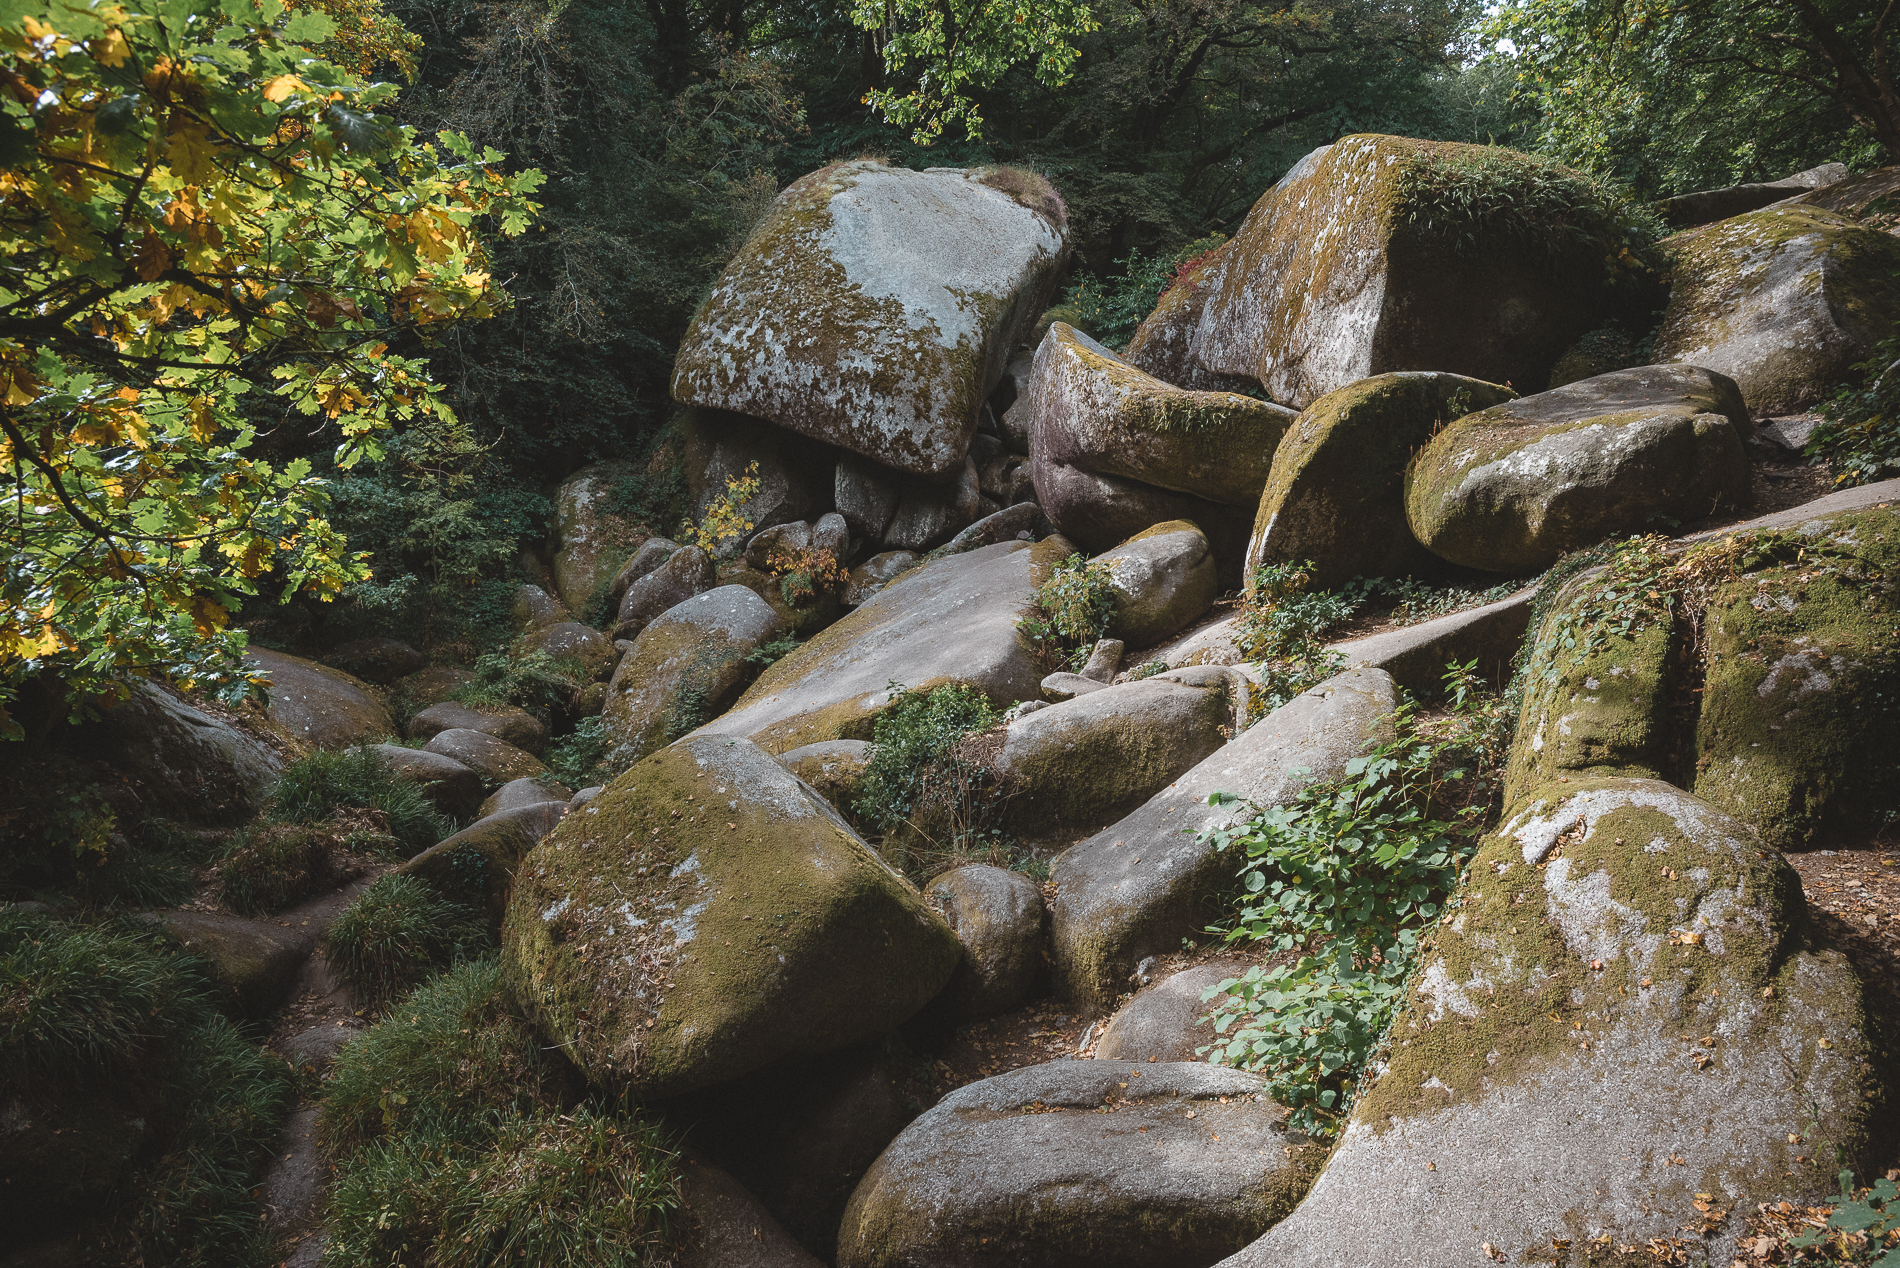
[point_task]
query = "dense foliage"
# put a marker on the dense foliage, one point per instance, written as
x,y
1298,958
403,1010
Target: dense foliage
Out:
x,y
1859,436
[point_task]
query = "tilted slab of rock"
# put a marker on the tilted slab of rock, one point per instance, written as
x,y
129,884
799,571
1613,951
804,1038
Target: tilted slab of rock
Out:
x,y
708,914
1141,885
953,620
1080,1164
1330,279
319,705
1705,206
495,760
874,308
1091,759
168,757
685,667
1417,655
1853,196
1782,300
1091,409
1163,578
1511,488
1336,494
1621,1015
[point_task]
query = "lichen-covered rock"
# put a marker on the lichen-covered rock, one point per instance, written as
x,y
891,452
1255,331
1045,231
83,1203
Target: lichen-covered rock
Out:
x,y
1619,1034
166,757
1092,410
1081,1164
1142,884
834,768
931,513
535,607
570,640
687,571
505,722
1799,730
1163,578
450,786
477,865
1101,511
1163,344
684,668
1089,760
380,660
318,705
517,793
1371,261
953,620
874,574
495,760
874,309
1782,300
1336,494
1512,487
593,538
709,914
998,917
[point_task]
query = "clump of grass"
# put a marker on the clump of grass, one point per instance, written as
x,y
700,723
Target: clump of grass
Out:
x,y
272,866
930,788
1032,190
396,934
312,789
544,685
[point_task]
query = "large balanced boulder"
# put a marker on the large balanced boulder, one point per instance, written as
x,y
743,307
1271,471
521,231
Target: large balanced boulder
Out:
x,y
1089,760
950,621
1081,1164
998,917
874,308
687,571
1090,409
318,705
1142,884
1336,494
709,914
684,668
1618,1035
1512,487
1378,258
1163,578
1782,300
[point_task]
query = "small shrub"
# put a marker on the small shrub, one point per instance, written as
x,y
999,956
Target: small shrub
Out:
x,y
922,788
724,524
312,789
579,759
1032,190
1147,669
1110,309
1283,625
537,682
765,655
1859,435
1069,612
805,574
397,933
272,866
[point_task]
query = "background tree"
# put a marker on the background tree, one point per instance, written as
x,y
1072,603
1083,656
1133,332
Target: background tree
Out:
x,y
208,235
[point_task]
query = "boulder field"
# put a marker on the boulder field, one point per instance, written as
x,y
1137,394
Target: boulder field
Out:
x,y
910,801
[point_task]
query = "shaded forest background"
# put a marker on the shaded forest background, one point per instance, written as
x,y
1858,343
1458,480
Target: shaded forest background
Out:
x,y
665,127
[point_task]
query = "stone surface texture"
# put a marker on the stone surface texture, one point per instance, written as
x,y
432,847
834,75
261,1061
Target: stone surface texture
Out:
x,y
453,788
1163,1021
998,917
318,705
496,761
688,571
505,722
1163,578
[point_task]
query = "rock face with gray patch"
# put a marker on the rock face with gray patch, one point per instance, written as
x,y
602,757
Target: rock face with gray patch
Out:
x,y
1164,1022
1163,578
709,914
1352,268
1619,1016
1336,494
875,307
1511,488
684,668
998,917
1142,884
1080,1164
592,539
953,620
1782,300
1091,759
170,758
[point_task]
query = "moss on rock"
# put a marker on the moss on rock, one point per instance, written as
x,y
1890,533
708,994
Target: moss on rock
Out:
x,y
708,914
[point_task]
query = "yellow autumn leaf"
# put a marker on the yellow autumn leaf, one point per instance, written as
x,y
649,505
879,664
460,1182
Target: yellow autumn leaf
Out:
x,y
110,49
281,87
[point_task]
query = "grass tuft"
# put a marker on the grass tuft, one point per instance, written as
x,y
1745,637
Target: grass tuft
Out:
x,y
312,789
398,933
273,866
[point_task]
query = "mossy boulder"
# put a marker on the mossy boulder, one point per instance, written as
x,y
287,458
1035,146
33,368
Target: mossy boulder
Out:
x,y
162,755
685,668
477,865
1618,1034
1336,493
591,535
874,309
1396,254
1163,344
1783,300
1163,578
1092,410
951,621
1077,765
505,722
495,760
570,640
1078,1164
1099,512
1512,487
835,768
1706,206
253,963
1799,731
450,786
998,917
688,571
379,660
517,793
709,914
319,706
1142,884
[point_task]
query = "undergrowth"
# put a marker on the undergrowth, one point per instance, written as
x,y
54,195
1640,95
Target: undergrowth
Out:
x,y
579,759
1068,613
396,934
1283,626
1345,876
1110,309
272,865
541,684
1859,435
313,789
